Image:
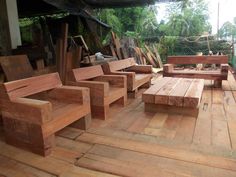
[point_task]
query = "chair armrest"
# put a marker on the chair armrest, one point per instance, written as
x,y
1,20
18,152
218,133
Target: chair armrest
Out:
x,y
71,94
28,110
141,69
130,75
168,68
224,68
119,81
97,89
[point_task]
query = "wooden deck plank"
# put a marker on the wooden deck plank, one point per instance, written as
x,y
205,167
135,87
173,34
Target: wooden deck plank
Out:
x,y
220,134
46,164
155,149
202,133
158,120
11,168
160,163
218,112
184,132
217,96
118,167
229,98
232,131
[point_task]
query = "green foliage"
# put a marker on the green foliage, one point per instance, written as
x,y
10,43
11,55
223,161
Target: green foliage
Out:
x,y
133,22
228,30
187,18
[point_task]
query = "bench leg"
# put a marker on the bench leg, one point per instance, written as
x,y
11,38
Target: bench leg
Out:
x,y
83,123
100,112
217,83
133,94
27,136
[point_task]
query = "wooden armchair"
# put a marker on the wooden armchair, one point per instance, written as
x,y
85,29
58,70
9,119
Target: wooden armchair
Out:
x,y
137,75
104,89
33,109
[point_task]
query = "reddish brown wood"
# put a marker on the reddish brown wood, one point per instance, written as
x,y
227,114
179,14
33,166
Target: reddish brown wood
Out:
x,y
104,89
137,75
216,75
34,109
194,59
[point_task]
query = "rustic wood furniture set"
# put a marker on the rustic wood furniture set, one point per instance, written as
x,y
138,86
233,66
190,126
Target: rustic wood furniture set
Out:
x,y
35,108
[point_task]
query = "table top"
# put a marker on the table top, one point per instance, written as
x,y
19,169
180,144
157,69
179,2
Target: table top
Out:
x,y
182,92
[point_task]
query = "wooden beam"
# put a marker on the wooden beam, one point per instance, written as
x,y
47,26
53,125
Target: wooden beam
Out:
x,y
197,59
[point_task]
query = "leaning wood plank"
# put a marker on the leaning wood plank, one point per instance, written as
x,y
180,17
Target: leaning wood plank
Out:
x,y
192,97
176,97
16,67
162,96
149,95
155,149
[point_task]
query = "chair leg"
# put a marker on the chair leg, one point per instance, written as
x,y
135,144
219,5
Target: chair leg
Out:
x,y
146,85
27,136
83,123
133,94
100,112
122,101
217,83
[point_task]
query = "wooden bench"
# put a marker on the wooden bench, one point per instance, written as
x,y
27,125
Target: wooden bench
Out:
x,y
104,89
137,75
216,75
33,109
174,95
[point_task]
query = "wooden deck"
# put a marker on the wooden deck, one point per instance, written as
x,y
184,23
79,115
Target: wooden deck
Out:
x,y
135,143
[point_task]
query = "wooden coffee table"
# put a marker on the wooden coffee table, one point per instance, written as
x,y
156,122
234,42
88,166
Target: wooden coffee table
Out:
x,y
174,95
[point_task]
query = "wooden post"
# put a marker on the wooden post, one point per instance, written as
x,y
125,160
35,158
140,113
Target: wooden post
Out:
x,y
5,38
61,54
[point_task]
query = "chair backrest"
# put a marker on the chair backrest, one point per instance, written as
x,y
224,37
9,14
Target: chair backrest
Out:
x,y
16,67
87,72
29,86
121,64
214,59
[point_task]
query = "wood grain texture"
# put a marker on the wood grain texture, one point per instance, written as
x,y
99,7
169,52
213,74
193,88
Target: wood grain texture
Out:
x,y
197,59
